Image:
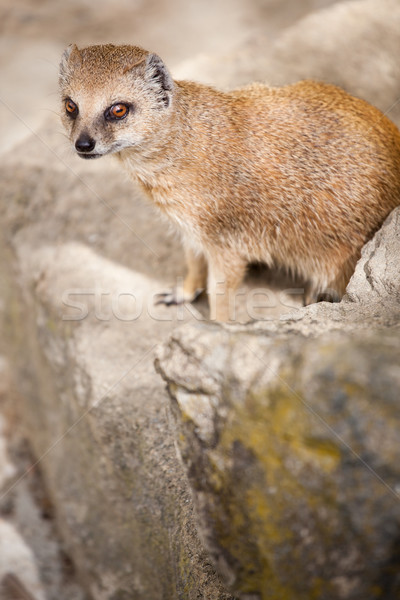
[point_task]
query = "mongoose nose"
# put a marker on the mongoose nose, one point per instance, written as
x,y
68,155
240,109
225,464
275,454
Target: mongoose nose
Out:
x,y
85,143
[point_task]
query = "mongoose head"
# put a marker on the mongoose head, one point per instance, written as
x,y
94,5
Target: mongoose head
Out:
x,y
113,98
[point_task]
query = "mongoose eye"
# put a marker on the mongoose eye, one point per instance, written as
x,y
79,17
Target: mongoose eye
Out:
x,y
117,111
71,108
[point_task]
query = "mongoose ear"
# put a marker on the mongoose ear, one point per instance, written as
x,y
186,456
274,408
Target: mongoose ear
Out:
x,y
71,58
158,76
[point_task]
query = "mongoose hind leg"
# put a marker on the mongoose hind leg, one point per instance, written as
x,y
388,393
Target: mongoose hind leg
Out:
x,y
194,283
337,287
334,291
311,294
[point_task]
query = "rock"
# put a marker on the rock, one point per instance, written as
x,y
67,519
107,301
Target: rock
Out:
x,y
377,277
289,432
292,456
352,44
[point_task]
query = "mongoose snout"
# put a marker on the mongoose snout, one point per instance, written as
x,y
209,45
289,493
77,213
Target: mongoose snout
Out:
x,y
298,177
85,144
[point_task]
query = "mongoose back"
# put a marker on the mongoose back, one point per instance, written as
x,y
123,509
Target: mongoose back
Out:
x,y
298,177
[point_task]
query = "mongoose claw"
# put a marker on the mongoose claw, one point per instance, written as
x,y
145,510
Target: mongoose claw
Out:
x,y
168,298
176,296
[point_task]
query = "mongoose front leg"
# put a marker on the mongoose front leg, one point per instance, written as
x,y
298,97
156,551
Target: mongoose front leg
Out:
x,y
194,284
224,277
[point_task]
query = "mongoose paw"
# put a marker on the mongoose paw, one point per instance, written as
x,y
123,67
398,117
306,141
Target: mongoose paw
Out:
x,y
168,298
176,296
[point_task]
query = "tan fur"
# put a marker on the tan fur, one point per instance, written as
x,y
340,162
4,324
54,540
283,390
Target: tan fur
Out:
x,y
298,177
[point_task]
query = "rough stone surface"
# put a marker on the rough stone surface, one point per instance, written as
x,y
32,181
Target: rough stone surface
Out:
x,y
289,432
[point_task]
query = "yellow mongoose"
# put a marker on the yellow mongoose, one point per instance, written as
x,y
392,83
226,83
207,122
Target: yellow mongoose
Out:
x,y
298,177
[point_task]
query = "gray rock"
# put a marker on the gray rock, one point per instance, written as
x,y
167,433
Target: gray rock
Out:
x,y
292,455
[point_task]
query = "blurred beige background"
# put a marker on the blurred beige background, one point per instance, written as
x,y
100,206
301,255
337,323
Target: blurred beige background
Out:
x,y
34,33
